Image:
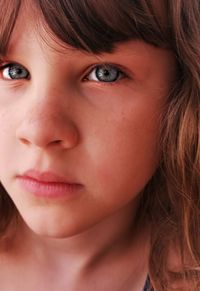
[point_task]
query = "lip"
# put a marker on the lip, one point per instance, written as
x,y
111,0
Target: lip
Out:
x,y
46,176
48,184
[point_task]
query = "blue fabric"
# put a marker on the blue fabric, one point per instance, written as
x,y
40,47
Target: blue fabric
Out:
x,y
147,285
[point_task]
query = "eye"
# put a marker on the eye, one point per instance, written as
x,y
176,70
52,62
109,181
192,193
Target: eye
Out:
x,y
105,73
14,72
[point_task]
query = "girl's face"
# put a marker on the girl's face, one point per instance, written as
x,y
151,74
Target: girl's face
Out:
x,y
62,110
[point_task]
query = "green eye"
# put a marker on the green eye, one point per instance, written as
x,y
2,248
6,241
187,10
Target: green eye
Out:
x,y
105,73
14,72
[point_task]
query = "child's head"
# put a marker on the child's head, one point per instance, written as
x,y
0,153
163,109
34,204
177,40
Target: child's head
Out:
x,y
106,95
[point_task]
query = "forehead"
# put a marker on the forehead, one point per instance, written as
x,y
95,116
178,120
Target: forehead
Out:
x,y
30,23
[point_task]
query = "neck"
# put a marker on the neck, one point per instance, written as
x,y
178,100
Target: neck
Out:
x,y
109,237
113,246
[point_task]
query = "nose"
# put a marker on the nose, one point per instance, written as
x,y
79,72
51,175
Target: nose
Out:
x,y
46,125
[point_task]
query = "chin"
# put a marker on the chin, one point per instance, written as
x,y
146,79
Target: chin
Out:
x,y
52,228
56,232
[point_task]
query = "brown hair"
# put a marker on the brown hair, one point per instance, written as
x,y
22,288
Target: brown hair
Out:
x,y
171,200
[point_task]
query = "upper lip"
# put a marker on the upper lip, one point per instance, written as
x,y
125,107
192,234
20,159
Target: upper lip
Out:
x,y
46,176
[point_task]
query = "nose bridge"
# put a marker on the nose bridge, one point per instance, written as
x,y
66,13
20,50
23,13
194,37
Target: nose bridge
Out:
x,y
45,105
47,119
43,114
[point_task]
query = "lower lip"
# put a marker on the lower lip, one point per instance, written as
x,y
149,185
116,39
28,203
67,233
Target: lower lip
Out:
x,y
49,189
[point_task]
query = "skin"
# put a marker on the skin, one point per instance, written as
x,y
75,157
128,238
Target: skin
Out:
x,y
102,135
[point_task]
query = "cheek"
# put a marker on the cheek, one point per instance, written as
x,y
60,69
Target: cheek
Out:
x,y
8,150
128,156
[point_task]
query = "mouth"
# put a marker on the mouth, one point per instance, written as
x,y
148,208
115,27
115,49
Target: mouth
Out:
x,y
48,184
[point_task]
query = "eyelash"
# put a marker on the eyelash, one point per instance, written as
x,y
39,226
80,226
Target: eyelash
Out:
x,y
120,74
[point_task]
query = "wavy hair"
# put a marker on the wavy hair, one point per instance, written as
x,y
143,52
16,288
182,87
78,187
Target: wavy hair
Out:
x,y
171,200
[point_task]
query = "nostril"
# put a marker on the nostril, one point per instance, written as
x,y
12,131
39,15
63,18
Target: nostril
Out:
x,y
55,142
24,141
46,135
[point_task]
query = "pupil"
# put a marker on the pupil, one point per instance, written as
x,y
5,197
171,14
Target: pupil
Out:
x,y
106,72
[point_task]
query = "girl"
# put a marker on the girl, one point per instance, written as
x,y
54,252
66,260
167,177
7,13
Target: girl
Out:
x,y
99,147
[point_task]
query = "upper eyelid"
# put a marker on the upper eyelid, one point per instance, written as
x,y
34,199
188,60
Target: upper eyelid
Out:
x,y
5,64
111,65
